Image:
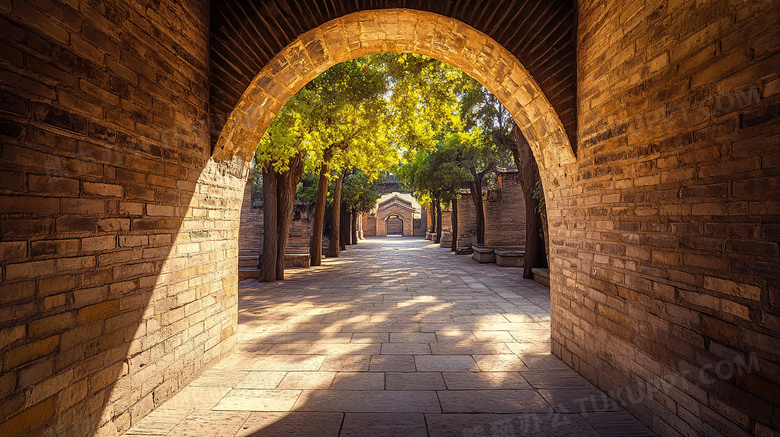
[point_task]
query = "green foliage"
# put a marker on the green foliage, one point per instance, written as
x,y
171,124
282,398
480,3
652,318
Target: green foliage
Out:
x,y
481,111
541,209
256,182
307,188
359,193
423,101
374,112
437,174
342,110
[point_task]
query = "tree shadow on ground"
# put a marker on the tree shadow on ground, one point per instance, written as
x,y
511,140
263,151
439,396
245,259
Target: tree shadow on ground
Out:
x,y
378,341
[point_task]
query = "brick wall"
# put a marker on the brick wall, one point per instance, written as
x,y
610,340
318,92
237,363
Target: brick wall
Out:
x,y
421,224
417,228
117,281
369,225
394,208
505,213
467,220
665,236
446,220
250,231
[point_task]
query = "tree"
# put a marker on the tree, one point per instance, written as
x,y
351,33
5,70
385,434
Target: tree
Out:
x,y
479,108
437,175
352,132
491,141
534,221
359,195
280,154
335,122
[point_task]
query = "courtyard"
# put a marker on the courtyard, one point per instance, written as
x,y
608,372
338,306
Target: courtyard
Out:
x,y
396,337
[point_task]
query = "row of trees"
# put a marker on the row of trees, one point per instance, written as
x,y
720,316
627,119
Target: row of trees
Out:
x,y
331,127
364,116
467,153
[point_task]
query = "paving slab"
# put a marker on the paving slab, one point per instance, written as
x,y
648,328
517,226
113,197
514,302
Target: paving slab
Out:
x,y
293,424
384,425
258,400
392,363
369,401
492,401
359,381
307,380
445,363
397,337
405,348
485,380
211,423
499,363
414,381
537,425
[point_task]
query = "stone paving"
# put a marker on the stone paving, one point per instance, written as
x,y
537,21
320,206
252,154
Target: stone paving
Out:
x,y
396,337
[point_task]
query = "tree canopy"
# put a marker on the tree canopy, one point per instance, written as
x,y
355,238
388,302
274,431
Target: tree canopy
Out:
x,y
438,128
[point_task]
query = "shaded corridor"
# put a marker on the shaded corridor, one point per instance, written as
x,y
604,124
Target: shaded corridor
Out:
x,y
396,337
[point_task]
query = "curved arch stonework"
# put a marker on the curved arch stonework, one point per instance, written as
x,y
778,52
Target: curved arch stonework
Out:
x,y
399,30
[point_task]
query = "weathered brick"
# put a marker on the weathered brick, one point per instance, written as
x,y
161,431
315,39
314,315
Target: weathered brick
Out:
x,y
75,224
98,243
160,210
50,185
733,288
111,225
99,311
30,418
83,206
711,190
39,205
48,286
702,243
108,190
758,248
31,351
9,336
51,324
13,250
29,269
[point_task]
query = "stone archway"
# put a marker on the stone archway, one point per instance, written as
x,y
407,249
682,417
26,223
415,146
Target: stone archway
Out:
x,y
119,226
399,30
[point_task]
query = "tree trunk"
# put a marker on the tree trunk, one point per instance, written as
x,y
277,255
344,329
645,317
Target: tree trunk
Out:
x,y
354,228
438,221
454,225
529,173
476,195
344,227
315,244
270,227
433,217
333,244
286,187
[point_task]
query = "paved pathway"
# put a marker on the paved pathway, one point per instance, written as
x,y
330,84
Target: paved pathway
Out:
x,y
396,337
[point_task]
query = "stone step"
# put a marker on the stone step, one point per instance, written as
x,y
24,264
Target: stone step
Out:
x,y
541,275
483,254
247,273
510,258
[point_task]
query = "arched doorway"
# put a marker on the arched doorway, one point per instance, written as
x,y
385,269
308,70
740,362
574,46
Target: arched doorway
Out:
x,y
398,30
394,225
